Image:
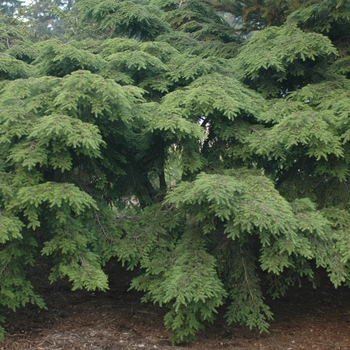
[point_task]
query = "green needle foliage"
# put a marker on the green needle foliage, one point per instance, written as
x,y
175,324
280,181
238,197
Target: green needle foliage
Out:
x,y
211,154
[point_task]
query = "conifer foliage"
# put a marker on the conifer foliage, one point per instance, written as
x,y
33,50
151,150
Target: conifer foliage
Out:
x,y
152,133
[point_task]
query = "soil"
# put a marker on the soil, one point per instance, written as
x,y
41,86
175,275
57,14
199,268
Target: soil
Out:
x,y
304,319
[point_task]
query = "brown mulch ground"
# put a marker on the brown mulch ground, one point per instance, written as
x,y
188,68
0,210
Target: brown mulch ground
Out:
x,y
304,319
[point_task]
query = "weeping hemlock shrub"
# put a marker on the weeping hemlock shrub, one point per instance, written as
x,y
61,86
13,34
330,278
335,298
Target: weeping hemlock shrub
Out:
x,y
228,156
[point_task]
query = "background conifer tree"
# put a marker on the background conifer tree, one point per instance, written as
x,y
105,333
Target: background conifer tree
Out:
x,y
11,7
46,17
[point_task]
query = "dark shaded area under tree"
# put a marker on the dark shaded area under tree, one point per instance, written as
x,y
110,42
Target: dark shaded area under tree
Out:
x,y
305,318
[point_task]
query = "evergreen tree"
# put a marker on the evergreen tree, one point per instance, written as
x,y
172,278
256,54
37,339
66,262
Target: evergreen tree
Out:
x,y
291,137
230,159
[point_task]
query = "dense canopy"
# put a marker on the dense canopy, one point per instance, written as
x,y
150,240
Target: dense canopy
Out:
x,y
204,142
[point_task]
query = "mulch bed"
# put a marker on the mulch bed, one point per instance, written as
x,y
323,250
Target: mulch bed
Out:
x,y
304,319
